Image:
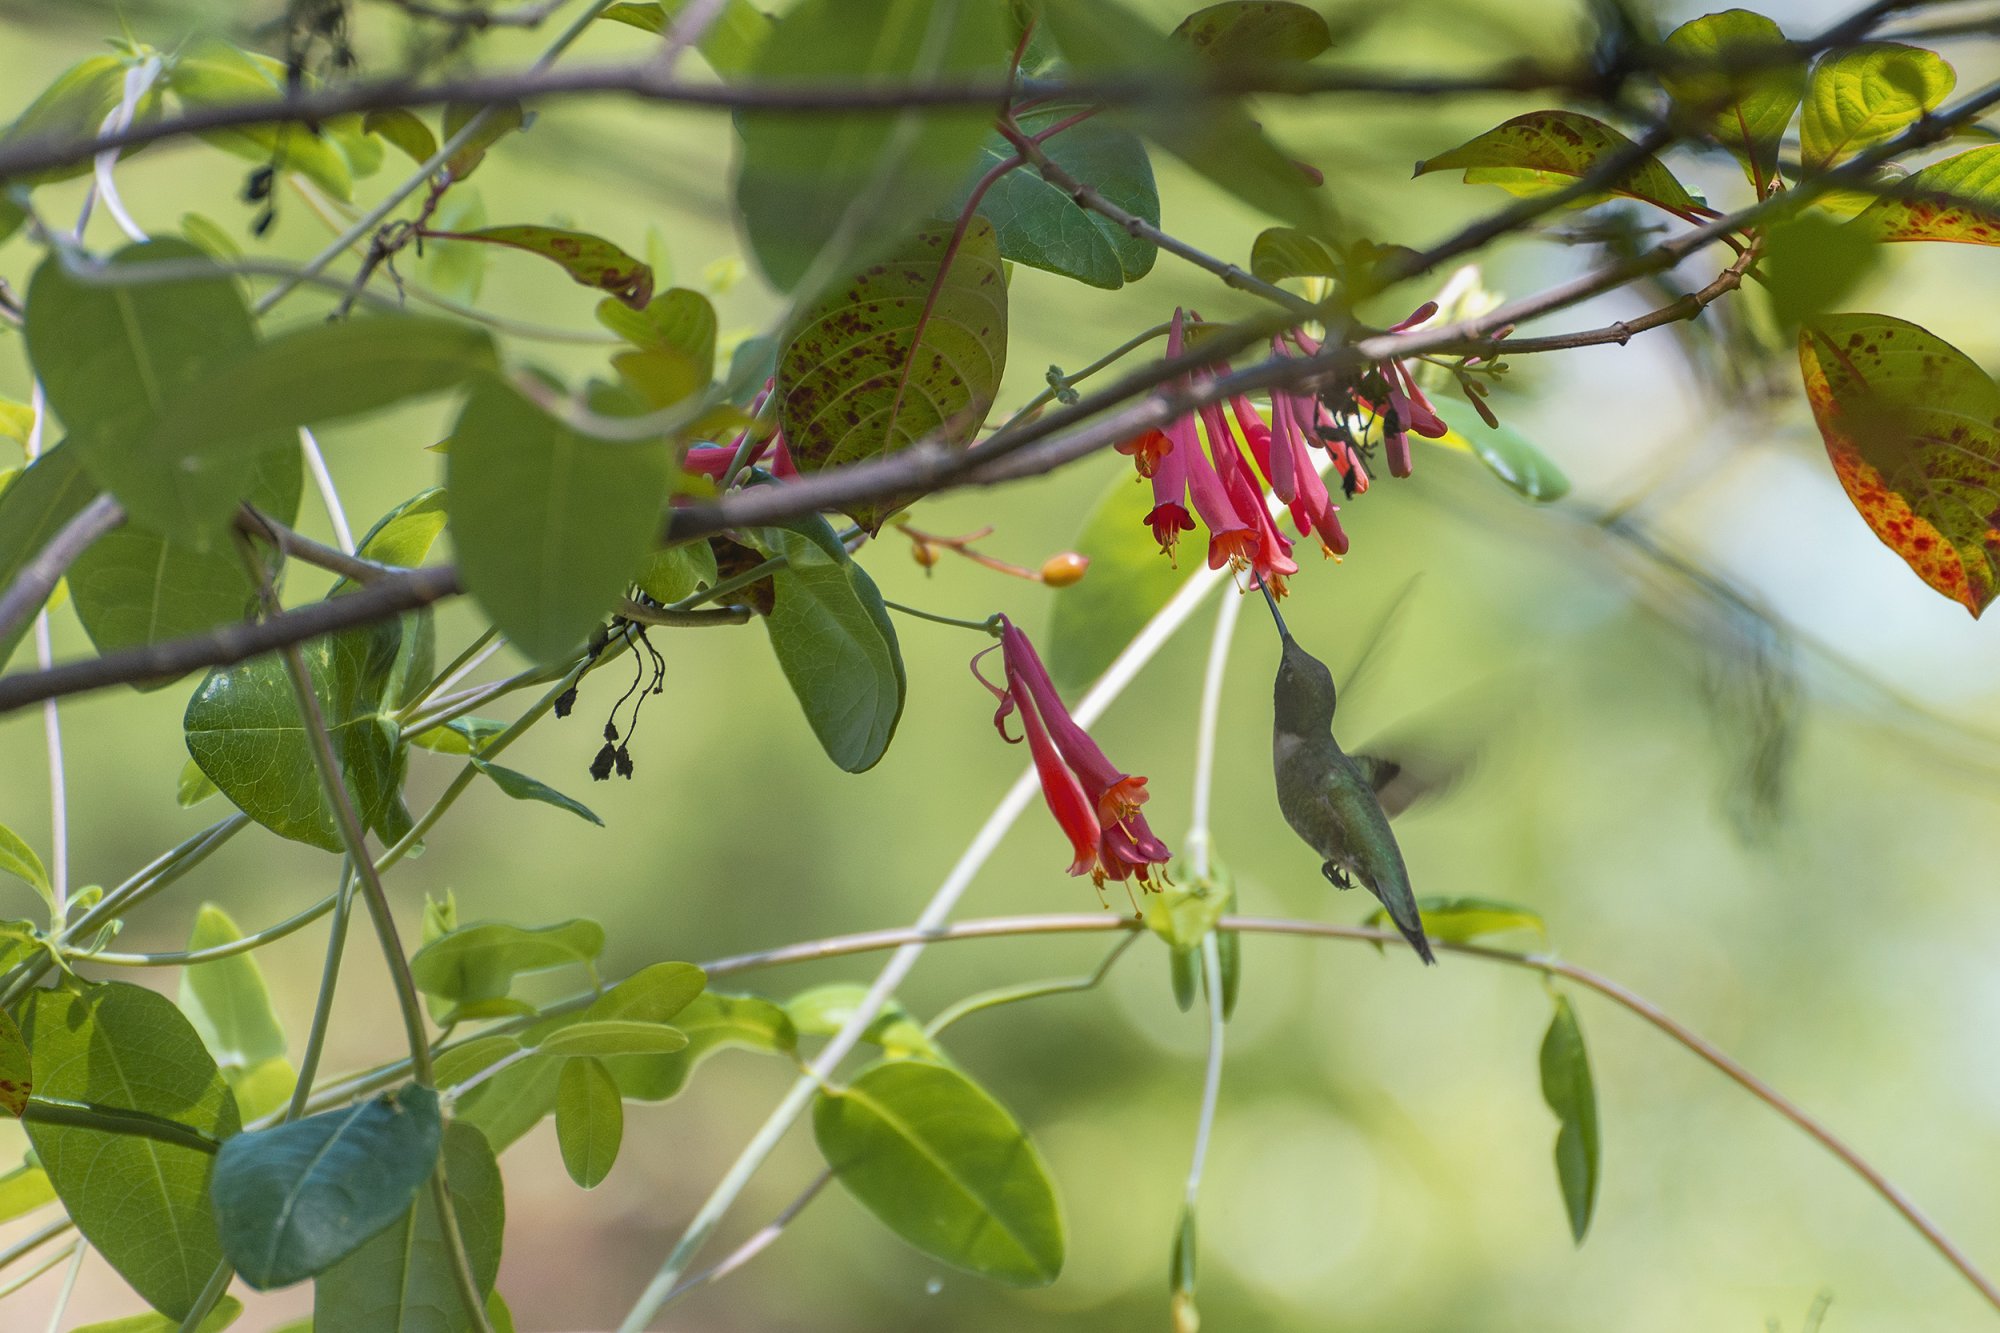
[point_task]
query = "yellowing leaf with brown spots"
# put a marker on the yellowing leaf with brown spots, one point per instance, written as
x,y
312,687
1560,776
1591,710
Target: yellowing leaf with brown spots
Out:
x,y
897,354
590,260
1545,151
1957,199
1913,428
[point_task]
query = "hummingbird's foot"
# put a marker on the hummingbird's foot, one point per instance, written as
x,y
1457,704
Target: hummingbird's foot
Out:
x,y
1336,876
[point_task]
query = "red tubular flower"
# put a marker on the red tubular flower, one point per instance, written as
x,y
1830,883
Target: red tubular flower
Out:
x,y
1096,804
1146,450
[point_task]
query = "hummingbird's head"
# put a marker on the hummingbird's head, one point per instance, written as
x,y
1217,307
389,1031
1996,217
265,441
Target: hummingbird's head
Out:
x,y
1304,697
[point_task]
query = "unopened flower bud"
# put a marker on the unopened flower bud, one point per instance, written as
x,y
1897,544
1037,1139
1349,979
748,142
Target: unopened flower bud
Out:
x,y
924,553
1060,571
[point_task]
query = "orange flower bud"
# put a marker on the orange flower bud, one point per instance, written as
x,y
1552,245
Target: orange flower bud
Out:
x,y
925,553
1059,571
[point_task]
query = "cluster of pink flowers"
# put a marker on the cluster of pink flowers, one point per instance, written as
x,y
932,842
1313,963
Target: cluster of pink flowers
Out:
x,y
1225,492
1095,803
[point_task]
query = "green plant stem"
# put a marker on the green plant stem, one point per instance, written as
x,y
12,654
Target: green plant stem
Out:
x,y
451,671
988,626
734,583
34,1240
1110,358
329,977
212,1292
13,1285
186,957
68,1289
115,1120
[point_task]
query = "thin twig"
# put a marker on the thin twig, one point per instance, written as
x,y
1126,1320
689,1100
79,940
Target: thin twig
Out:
x,y
38,577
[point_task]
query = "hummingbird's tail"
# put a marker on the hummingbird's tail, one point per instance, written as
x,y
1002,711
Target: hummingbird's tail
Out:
x,y
1415,935
1401,909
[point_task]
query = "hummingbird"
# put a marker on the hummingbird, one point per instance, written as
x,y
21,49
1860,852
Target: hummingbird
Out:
x,y
1332,799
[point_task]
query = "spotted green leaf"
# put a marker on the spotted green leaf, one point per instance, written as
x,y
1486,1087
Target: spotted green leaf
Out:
x,y
877,364
115,357
17,1076
1567,1088
141,1203
1545,151
835,189
1255,32
550,525
1909,424
1957,199
1039,224
1745,110
589,260
590,1120
401,1280
295,1199
243,727
1861,95
945,1167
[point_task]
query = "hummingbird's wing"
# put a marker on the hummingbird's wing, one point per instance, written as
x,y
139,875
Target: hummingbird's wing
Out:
x,y
1412,777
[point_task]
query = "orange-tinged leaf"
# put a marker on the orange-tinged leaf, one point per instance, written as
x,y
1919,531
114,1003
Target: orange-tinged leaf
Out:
x,y
1913,428
1549,149
1957,199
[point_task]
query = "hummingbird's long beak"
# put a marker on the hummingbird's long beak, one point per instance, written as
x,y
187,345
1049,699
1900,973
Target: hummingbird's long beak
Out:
x,y
1272,602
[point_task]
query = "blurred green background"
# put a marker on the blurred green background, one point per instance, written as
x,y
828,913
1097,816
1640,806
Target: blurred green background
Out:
x,y
1382,1158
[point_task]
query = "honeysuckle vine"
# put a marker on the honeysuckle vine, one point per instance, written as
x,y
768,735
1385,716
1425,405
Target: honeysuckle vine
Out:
x,y
714,477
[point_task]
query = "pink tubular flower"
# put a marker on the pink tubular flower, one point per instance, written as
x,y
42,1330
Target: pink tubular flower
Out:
x,y
1095,803
1393,395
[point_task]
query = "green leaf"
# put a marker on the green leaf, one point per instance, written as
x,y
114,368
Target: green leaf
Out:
x,y
17,1077
1184,970
675,338
134,588
711,1023
1811,262
1038,224
1229,954
193,787
400,1282
243,727
825,1010
1908,421
524,788
1747,110
1567,1088
18,859
1286,252
23,1190
729,43
33,509
590,1120
1458,920
1957,199
589,260
210,237
1545,151
678,571
833,641
1255,33
295,1199
404,129
944,1166
1090,623
456,270
612,1037
71,108
226,1312
142,1204
115,357
838,188
1216,138
877,365
230,1007
480,962
550,525
1862,95
500,119
462,735
1506,453
214,74
404,536
321,372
